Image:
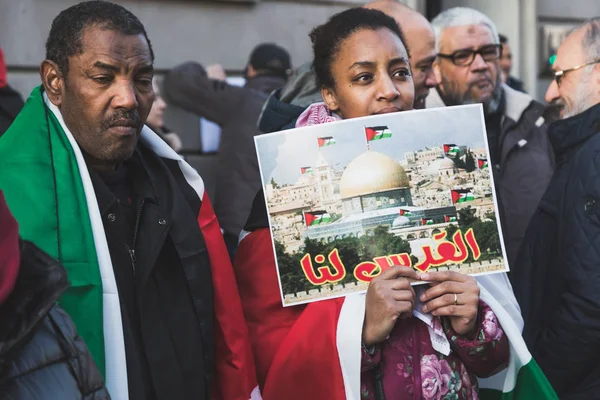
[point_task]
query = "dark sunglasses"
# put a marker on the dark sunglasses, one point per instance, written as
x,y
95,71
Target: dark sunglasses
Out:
x,y
464,58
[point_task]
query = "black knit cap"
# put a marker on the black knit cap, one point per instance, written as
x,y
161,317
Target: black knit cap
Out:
x,y
271,58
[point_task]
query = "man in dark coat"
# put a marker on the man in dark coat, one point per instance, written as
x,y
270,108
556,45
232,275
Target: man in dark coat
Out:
x,y
236,110
468,69
155,241
41,355
557,277
10,101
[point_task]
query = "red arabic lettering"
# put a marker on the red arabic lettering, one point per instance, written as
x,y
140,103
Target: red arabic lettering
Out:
x,y
472,242
449,251
365,271
323,274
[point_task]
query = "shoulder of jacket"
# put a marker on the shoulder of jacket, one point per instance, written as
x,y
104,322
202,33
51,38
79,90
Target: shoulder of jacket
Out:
x,y
518,104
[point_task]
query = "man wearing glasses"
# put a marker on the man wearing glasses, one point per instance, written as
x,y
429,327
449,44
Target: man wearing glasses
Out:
x,y
468,69
560,256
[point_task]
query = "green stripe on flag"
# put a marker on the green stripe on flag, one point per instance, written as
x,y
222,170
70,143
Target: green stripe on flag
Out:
x,y
531,384
32,148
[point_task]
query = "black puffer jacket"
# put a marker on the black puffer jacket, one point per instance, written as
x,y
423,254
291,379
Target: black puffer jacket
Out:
x,y
557,279
41,355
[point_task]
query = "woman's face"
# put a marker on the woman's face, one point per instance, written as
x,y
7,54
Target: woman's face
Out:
x,y
371,75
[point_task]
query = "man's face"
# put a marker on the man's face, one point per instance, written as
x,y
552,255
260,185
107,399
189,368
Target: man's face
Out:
x,y
577,90
421,42
478,82
107,94
372,75
506,59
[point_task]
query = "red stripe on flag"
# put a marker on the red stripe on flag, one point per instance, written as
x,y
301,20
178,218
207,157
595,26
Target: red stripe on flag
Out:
x,y
307,364
370,132
309,218
268,321
455,196
235,376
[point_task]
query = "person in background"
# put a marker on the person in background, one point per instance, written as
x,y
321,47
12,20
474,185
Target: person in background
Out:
x,y
41,355
10,100
420,39
156,120
506,65
522,161
557,278
236,110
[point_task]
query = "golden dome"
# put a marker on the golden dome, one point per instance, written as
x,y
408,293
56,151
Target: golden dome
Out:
x,y
372,172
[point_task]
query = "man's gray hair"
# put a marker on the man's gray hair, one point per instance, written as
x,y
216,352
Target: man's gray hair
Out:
x,y
591,39
460,16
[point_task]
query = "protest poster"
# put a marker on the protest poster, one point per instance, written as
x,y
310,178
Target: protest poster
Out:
x,y
348,199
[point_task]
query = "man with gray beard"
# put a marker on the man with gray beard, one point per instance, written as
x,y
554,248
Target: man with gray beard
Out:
x,y
557,279
468,69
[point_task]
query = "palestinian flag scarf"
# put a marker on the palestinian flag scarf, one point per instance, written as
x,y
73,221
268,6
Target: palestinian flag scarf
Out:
x,y
313,351
48,188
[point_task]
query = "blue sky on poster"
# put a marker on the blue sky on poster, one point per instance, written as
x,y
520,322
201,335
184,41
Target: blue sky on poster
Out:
x,y
282,154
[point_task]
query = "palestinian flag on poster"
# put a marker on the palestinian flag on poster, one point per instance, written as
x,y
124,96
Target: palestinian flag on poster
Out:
x,y
405,213
47,185
377,132
325,141
482,163
462,195
449,218
425,221
451,150
306,170
312,218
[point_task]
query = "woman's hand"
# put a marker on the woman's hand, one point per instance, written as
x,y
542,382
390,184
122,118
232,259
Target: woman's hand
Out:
x,y
389,297
453,295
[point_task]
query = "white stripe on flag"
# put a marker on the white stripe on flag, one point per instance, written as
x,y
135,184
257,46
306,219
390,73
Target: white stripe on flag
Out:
x,y
519,354
157,145
114,342
349,339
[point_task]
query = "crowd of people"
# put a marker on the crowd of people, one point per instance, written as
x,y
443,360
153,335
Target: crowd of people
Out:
x,y
119,280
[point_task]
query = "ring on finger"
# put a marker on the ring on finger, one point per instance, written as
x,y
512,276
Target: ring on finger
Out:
x,y
455,299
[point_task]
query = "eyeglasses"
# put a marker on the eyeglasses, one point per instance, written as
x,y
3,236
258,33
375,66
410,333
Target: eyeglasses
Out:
x,y
558,75
464,58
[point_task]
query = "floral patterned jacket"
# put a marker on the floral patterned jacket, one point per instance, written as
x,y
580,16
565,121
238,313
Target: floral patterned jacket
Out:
x,y
411,369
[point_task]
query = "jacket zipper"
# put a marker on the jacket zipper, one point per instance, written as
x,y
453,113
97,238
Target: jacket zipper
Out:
x,y
131,250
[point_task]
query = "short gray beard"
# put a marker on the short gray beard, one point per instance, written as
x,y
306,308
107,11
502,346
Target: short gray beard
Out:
x,y
583,99
452,97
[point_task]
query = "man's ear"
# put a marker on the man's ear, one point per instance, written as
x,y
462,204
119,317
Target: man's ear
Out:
x,y
53,81
330,99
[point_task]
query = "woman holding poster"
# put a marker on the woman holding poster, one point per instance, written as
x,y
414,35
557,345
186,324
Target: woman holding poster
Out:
x,y
431,344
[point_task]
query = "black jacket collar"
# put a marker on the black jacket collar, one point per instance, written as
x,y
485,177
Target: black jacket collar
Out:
x,y
278,115
571,133
143,186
